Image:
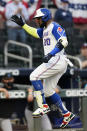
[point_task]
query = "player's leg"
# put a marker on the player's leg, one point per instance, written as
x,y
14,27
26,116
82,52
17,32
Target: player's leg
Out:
x,y
56,99
49,85
45,123
29,118
36,76
39,94
44,71
6,125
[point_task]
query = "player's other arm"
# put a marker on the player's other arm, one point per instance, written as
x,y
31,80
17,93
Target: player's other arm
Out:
x,y
62,42
30,30
59,46
60,36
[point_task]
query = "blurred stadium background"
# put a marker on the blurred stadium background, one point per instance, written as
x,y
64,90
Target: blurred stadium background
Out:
x,y
21,58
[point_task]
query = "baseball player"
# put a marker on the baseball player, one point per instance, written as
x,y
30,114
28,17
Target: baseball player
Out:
x,y
5,122
54,62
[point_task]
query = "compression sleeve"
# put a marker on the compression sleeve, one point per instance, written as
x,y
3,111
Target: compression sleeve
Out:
x,y
57,49
54,51
31,30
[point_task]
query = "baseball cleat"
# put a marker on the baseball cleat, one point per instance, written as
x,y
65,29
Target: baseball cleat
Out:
x,y
41,111
67,118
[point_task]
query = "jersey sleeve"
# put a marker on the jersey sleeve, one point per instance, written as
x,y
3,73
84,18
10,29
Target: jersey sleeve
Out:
x,y
60,36
31,30
58,31
40,32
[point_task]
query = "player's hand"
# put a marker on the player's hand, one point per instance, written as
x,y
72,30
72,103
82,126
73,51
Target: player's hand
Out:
x,y
17,20
47,58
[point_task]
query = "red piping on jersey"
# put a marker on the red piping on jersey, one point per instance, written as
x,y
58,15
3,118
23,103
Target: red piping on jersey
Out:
x,y
48,68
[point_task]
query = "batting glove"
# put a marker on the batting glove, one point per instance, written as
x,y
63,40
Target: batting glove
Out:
x,y
17,20
47,58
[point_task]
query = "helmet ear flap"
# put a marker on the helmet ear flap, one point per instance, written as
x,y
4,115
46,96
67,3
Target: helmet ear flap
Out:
x,y
45,18
47,15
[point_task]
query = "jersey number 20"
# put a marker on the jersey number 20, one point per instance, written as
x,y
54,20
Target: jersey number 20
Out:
x,y
46,41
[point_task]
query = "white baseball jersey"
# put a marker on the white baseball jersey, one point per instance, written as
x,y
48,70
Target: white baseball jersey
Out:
x,y
52,71
50,36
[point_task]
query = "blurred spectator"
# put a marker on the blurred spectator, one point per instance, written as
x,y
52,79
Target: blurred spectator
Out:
x,y
2,28
78,8
64,17
33,6
45,122
79,11
13,30
83,55
63,14
2,18
7,81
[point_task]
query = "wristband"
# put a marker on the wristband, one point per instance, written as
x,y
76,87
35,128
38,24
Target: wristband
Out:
x,y
30,93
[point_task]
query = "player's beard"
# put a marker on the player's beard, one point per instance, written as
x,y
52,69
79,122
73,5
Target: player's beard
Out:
x,y
43,24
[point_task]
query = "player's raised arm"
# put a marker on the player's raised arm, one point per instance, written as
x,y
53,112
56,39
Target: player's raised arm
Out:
x,y
30,30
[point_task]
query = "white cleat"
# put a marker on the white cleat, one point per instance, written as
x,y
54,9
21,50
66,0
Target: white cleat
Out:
x,y
41,111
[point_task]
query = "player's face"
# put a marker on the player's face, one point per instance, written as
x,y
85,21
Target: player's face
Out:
x,y
8,82
38,21
84,52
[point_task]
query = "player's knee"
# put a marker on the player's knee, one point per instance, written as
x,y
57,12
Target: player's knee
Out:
x,y
48,94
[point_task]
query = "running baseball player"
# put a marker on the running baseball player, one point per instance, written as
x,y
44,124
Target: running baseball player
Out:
x,y
54,62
